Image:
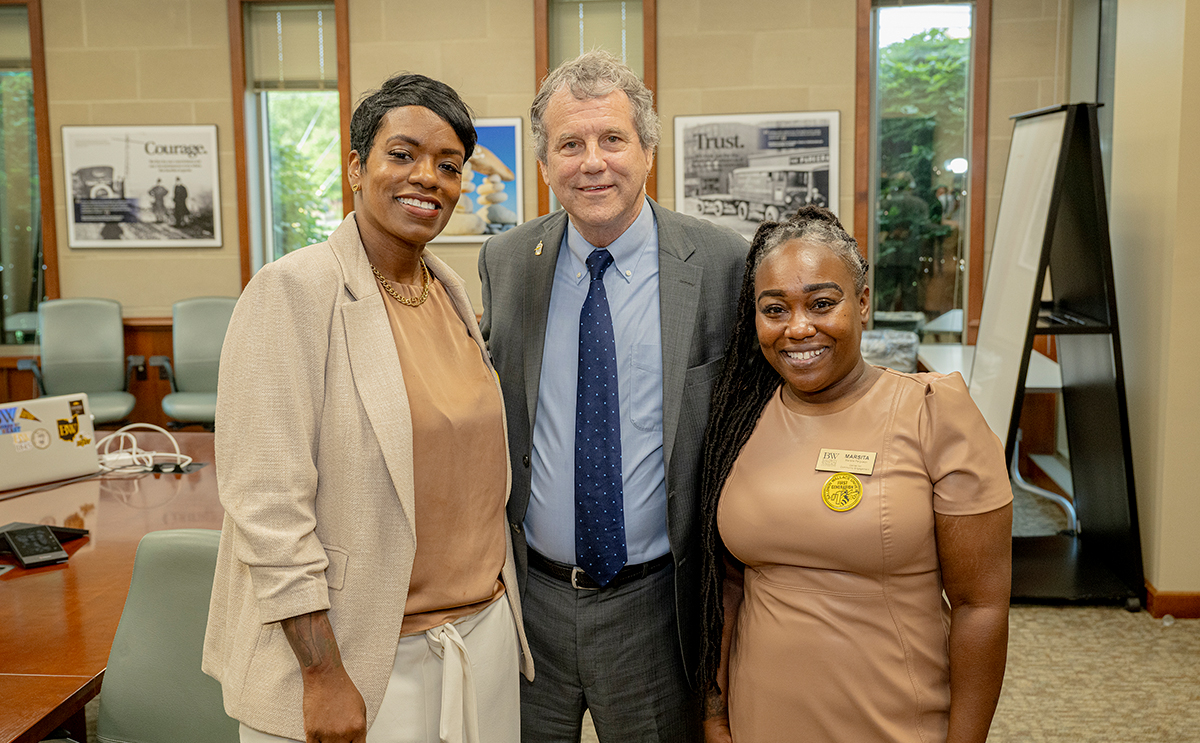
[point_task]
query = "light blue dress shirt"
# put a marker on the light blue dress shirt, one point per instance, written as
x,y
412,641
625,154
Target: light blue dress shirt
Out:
x,y
632,287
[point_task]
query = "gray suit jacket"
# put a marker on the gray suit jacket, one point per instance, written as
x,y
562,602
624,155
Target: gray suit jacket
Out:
x,y
700,274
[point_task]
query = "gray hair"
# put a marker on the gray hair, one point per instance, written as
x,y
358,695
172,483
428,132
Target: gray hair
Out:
x,y
595,75
818,225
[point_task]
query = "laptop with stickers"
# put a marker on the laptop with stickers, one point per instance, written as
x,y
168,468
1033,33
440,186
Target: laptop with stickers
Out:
x,y
47,439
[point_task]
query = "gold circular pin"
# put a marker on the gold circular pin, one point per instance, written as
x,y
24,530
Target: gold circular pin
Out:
x,y
842,492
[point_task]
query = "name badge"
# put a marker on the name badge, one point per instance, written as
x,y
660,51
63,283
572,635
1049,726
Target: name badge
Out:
x,y
843,460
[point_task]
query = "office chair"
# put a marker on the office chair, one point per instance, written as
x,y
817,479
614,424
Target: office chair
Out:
x,y
199,327
83,350
154,690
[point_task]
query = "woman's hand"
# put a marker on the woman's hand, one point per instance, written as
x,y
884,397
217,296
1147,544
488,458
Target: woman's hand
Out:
x,y
716,719
334,711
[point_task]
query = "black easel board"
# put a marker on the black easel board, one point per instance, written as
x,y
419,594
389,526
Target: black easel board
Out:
x,y
1053,217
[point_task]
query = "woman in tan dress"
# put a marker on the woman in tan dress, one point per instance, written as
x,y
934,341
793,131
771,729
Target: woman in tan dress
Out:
x,y
840,501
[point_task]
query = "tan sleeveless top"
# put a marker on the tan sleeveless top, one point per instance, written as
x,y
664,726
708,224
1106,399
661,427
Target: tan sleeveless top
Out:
x,y
459,474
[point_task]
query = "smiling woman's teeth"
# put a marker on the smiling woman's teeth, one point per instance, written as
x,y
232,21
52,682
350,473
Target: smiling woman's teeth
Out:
x,y
804,355
418,203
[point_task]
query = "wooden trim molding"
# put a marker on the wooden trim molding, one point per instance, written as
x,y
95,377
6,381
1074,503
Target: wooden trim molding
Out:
x,y
41,116
237,71
862,128
980,95
341,9
132,323
41,128
541,68
1181,605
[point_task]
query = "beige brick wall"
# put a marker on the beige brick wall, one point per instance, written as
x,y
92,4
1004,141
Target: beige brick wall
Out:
x,y
132,62
484,49
757,56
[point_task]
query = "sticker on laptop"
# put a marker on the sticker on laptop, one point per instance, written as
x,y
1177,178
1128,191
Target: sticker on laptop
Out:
x,y
29,416
42,438
77,407
22,441
68,429
83,441
8,423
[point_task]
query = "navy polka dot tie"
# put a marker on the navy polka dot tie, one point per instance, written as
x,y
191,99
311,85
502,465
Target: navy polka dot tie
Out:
x,y
599,499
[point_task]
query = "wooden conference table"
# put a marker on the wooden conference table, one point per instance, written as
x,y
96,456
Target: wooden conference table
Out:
x,y
57,622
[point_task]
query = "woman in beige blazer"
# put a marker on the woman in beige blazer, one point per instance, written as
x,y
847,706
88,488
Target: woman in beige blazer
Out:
x,y
365,588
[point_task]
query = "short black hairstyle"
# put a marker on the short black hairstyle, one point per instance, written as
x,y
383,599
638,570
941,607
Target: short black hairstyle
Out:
x,y
409,89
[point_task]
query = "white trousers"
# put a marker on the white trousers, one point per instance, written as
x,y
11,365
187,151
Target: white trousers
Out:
x,y
457,683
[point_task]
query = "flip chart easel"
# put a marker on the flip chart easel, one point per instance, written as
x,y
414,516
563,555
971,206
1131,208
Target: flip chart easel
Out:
x,y
1053,217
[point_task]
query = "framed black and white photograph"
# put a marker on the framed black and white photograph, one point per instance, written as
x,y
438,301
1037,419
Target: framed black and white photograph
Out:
x,y
142,186
738,170
492,199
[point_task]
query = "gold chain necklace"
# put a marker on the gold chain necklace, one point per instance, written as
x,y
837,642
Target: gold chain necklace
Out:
x,y
387,286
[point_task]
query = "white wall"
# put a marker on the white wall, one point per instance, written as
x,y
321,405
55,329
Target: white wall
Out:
x,y
1155,198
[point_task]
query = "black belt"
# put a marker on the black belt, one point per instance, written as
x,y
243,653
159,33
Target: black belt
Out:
x,y
579,579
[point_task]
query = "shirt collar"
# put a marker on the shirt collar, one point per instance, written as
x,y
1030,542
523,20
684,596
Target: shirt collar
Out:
x,y
626,250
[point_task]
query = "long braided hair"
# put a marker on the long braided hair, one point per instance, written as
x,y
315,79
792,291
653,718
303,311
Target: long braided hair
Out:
x,y
740,394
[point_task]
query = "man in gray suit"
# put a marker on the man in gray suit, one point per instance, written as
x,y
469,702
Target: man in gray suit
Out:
x,y
607,322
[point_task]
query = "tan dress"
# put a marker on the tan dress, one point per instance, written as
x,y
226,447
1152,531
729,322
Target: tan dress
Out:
x,y
459,468
843,630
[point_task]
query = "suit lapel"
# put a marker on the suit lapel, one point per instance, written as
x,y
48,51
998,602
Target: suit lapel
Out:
x,y
540,270
679,297
375,365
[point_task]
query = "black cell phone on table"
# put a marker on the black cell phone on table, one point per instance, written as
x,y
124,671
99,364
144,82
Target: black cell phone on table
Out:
x,y
34,546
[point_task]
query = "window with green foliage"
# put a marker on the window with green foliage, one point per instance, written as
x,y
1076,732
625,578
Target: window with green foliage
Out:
x,y
294,134
304,173
921,154
21,272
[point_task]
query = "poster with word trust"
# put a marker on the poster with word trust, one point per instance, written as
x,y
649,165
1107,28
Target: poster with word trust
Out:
x,y
739,170
142,186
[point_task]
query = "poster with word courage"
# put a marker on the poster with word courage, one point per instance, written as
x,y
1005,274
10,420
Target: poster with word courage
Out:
x,y
142,186
738,170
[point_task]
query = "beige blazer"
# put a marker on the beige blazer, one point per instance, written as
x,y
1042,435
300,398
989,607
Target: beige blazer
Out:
x,y
314,468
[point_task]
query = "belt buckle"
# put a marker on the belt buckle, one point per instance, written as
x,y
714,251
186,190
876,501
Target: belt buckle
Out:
x,y
576,571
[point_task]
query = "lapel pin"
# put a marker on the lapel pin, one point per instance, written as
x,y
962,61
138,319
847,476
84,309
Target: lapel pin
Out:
x,y
538,249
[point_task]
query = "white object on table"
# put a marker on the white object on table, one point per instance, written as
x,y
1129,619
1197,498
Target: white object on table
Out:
x,y
1043,376
944,358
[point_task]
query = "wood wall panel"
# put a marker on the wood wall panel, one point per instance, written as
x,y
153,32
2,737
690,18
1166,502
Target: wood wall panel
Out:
x,y
150,336
14,384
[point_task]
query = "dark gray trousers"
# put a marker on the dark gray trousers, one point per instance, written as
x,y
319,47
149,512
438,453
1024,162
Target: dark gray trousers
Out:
x,y
615,652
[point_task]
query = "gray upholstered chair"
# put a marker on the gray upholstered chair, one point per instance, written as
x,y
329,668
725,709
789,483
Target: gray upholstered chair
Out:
x,y
198,330
154,690
83,350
